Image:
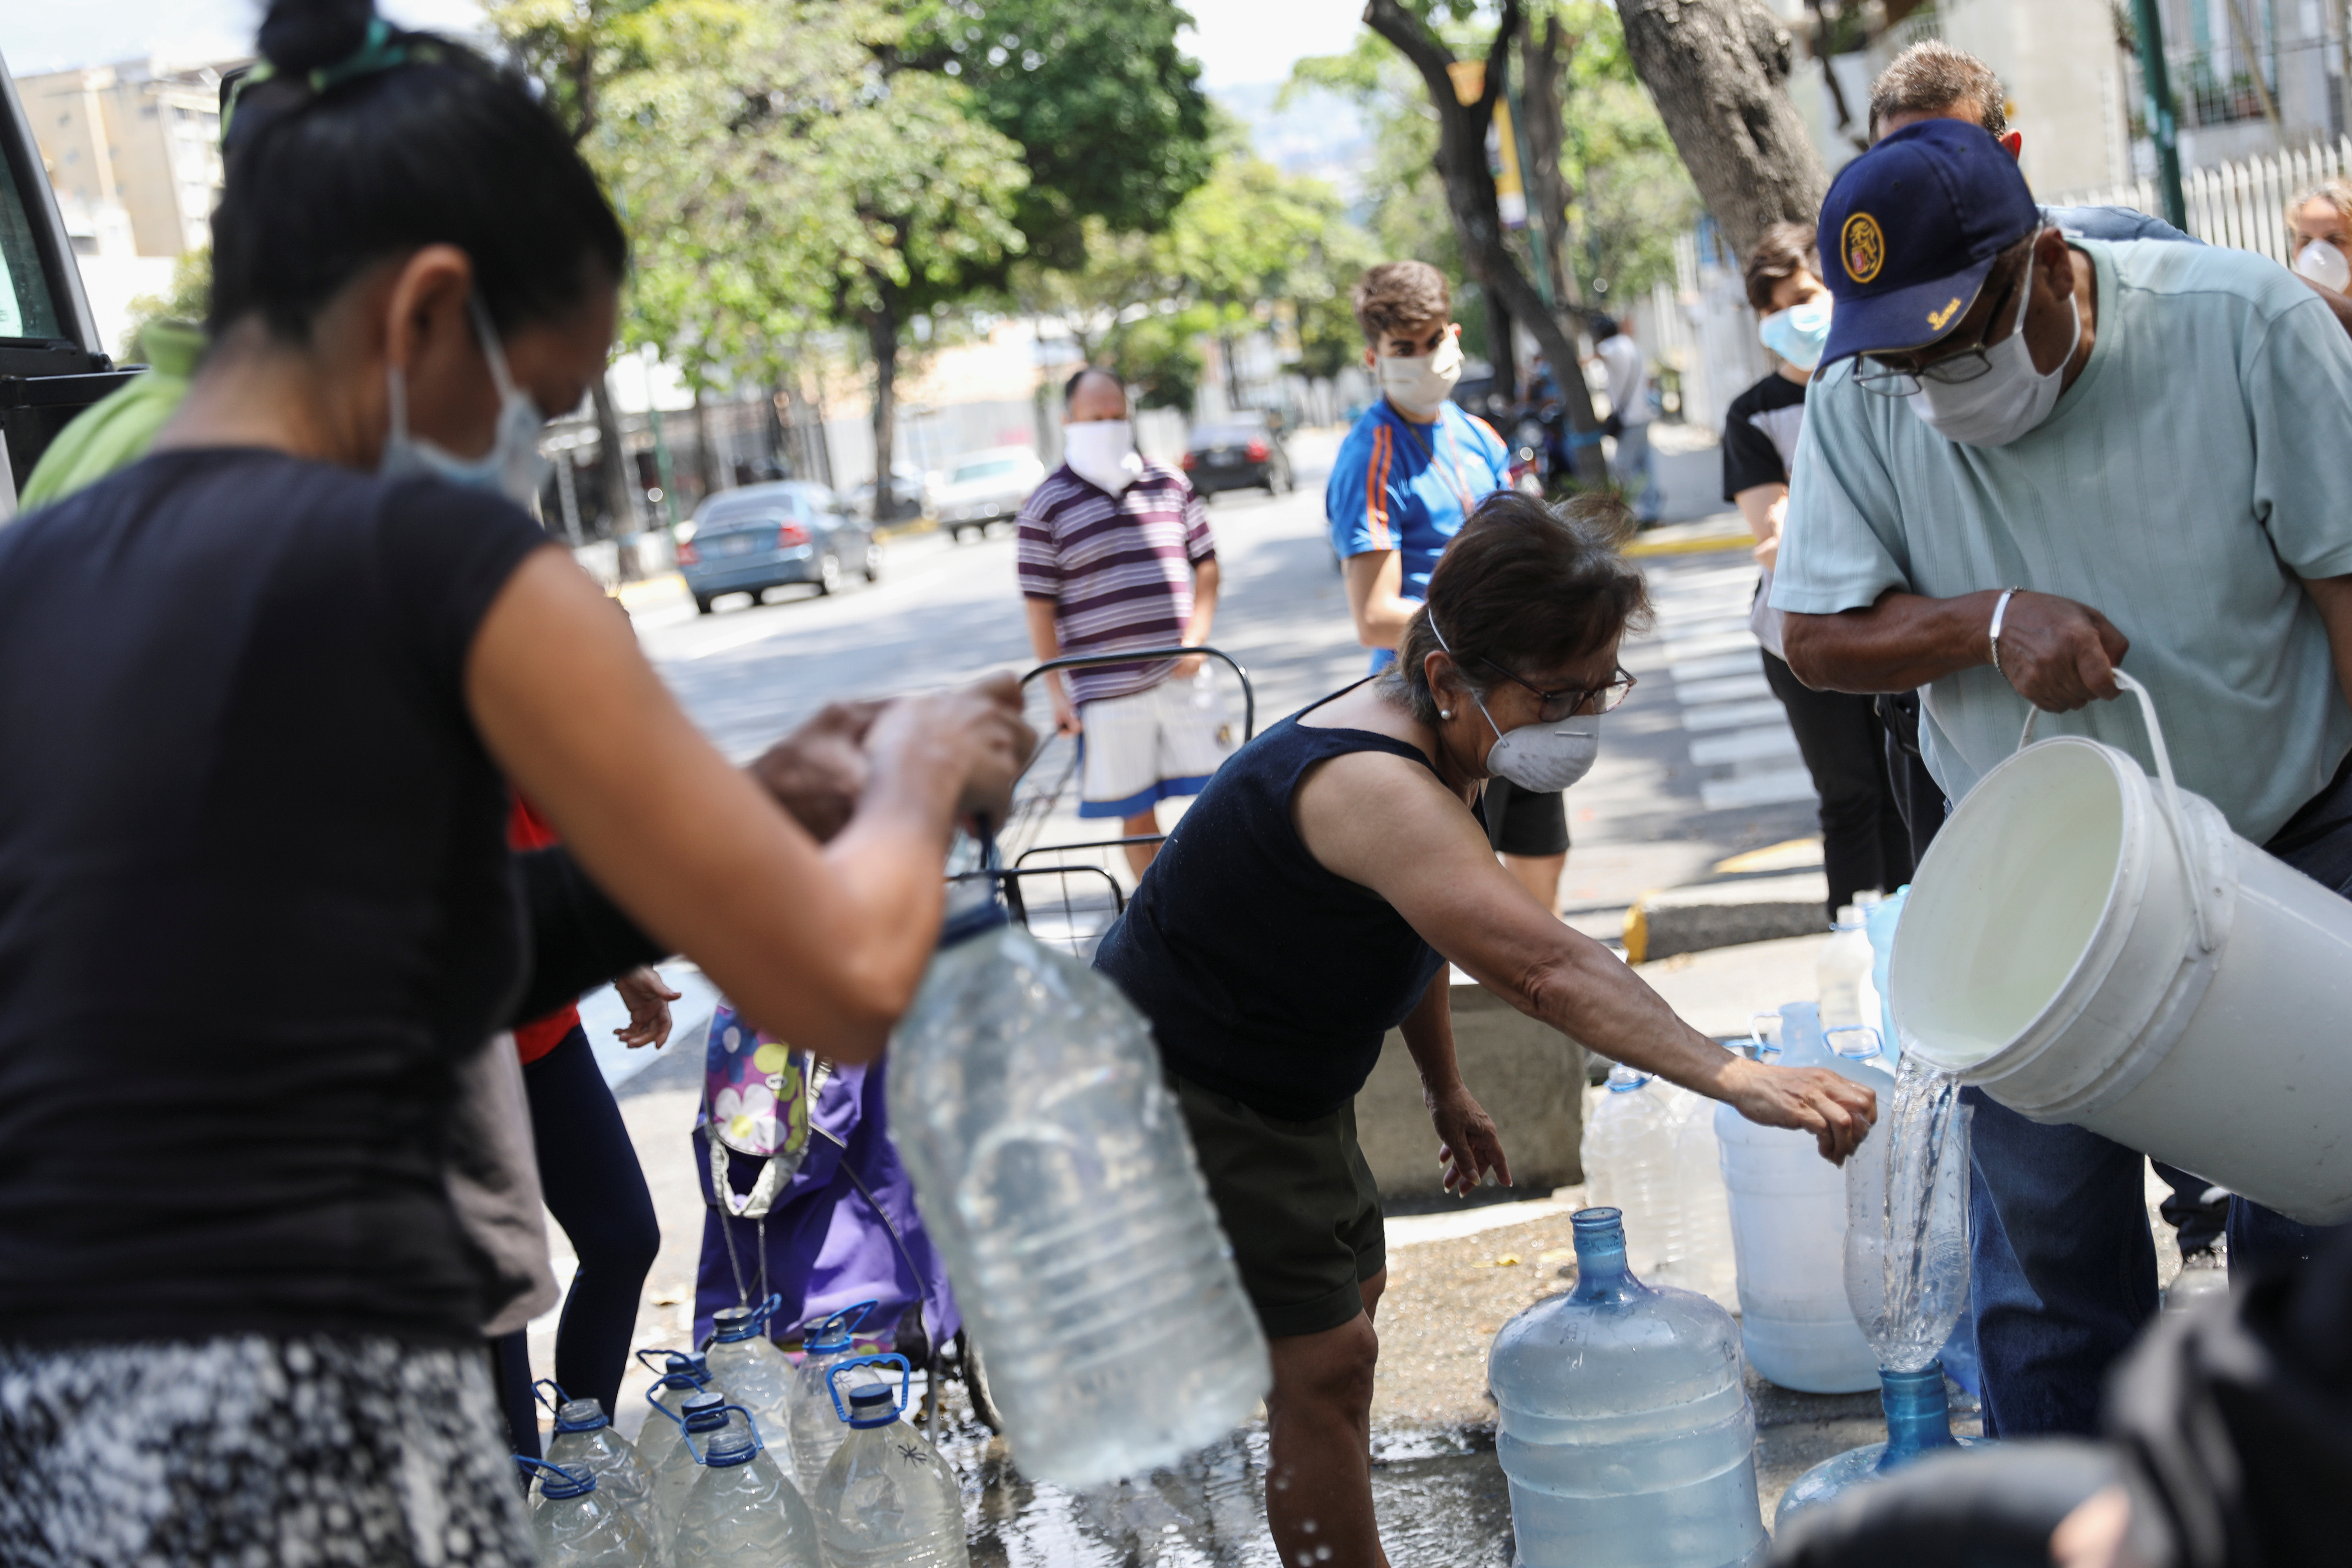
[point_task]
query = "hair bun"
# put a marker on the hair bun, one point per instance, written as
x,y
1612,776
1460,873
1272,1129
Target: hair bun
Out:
x,y
302,36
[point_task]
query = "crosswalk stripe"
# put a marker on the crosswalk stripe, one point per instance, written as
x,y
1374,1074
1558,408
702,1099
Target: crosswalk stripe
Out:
x,y
1738,733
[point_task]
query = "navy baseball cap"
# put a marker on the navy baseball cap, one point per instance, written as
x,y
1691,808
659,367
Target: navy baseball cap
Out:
x,y
1910,228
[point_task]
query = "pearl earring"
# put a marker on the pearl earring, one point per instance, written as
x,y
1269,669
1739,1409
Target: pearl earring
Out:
x,y
1445,713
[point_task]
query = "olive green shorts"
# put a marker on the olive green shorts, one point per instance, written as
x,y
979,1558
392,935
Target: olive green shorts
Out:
x,y
1298,1203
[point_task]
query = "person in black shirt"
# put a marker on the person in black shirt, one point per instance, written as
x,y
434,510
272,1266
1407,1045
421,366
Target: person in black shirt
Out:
x,y
261,695
1864,842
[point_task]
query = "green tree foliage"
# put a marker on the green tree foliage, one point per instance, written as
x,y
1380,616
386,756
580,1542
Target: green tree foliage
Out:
x,y
188,298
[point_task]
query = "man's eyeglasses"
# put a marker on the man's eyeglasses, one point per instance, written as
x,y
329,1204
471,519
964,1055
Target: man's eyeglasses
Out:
x,y
1571,700
1872,372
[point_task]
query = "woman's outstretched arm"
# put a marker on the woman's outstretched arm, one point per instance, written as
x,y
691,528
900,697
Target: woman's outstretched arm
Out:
x,y
820,945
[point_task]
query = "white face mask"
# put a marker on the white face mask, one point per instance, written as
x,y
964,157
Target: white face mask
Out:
x,y
512,466
1102,452
1538,757
2009,399
1420,384
2325,265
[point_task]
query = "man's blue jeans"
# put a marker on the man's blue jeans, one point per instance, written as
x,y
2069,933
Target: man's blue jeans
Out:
x,y
2062,1266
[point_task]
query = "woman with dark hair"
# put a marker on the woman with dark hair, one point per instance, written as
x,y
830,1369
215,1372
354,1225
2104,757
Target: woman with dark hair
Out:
x,y
1310,902
262,694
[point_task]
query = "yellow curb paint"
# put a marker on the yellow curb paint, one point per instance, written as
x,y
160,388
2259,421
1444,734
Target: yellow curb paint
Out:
x,y
1789,855
663,587
1699,546
1637,933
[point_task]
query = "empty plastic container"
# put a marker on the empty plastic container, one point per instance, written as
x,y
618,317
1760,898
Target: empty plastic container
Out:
x,y
1918,1421
1788,1228
1879,921
887,1498
1622,1423
1706,1264
755,1374
817,1428
1840,970
743,1512
1052,1171
1629,1166
577,1525
2094,947
584,1440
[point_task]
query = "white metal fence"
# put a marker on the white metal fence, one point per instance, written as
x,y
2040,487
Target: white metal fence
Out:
x,y
2240,204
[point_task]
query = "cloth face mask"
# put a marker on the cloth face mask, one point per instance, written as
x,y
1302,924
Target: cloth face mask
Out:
x,y
2325,265
512,466
2011,397
1102,452
1420,384
1799,334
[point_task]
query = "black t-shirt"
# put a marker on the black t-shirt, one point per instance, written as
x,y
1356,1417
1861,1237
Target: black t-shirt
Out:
x,y
1760,434
256,901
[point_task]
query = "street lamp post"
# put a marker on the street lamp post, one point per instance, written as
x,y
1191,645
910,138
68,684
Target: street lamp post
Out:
x,y
2161,128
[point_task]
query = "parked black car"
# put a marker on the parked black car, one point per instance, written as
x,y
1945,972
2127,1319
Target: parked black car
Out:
x,y
1242,453
764,536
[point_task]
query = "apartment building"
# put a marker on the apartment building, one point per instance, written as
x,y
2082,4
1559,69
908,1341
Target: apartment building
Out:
x,y
133,150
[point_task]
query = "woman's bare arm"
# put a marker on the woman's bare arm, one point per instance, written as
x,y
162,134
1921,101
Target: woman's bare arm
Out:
x,y
822,946
1385,822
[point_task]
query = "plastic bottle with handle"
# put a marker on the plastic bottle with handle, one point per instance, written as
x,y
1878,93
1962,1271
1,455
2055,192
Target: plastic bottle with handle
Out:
x,y
584,1440
887,1498
742,1511
1052,1172
756,1376
576,1525
817,1429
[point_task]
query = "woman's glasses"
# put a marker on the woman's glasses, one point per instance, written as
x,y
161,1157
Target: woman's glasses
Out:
x,y
1571,700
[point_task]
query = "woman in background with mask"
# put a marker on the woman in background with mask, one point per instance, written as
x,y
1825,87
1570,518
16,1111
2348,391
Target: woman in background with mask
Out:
x,y
1310,900
1865,841
265,690
2319,234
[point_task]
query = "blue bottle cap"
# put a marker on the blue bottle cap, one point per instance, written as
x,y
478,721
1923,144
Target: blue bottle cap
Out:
x,y
729,1448
872,1404
705,1411
580,1415
834,1334
559,1485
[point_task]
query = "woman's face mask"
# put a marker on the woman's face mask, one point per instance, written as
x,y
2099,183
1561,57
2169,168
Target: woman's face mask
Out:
x,y
512,466
2011,397
1799,334
1538,757
1420,384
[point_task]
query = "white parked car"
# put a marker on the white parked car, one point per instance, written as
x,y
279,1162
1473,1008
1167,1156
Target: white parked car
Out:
x,y
980,487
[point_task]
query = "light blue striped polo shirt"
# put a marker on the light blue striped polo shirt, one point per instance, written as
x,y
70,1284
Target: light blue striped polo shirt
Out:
x,y
2201,464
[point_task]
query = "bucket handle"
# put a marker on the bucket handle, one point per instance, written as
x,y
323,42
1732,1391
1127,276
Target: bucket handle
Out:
x,y
2168,798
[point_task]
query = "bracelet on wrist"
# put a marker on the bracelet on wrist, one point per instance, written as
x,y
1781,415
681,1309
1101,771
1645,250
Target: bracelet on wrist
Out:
x,y
1999,613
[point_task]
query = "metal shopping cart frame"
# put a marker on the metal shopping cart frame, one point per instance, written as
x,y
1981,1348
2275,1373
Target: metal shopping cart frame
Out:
x,y
1022,880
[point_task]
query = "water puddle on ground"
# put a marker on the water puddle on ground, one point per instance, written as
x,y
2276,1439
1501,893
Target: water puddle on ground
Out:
x,y
1440,1497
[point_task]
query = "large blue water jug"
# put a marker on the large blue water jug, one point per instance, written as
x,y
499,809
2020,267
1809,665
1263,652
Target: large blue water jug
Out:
x,y
1623,1423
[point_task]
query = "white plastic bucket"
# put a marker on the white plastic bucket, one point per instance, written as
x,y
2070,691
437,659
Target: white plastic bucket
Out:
x,y
2091,946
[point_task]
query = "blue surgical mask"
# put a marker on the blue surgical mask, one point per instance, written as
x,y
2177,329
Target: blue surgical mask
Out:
x,y
512,466
1799,334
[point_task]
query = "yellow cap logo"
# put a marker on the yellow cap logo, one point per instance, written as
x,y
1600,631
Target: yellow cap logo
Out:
x,y
1940,320
1863,248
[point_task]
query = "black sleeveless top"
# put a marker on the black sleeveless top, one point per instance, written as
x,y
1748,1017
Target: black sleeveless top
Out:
x,y
1265,976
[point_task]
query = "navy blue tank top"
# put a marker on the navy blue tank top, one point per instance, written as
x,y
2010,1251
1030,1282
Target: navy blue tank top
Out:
x,y
1265,976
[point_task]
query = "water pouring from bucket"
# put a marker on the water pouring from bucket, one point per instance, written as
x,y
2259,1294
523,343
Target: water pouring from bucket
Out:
x,y
1906,1275
2094,947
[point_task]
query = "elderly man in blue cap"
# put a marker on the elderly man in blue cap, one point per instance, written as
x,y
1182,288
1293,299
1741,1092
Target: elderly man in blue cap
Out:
x,y
2026,456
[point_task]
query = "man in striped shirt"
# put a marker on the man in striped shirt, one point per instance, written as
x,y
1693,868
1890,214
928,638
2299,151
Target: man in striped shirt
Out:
x,y
1115,553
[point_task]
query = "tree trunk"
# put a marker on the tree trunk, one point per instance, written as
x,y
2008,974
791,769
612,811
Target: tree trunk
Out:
x,y
1546,64
882,342
1470,198
706,452
620,481
1501,352
1719,72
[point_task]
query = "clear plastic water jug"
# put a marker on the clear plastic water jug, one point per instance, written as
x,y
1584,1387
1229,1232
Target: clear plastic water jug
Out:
x,y
1879,922
817,1428
1906,1275
584,1440
1629,1164
658,1435
887,1498
743,1512
1788,1225
1844,964
577,1525
706,1415
1052,1171
1706,1264
1623,1422
756,1376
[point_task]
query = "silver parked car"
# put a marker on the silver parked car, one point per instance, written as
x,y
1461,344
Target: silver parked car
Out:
x,y
760,537
980,487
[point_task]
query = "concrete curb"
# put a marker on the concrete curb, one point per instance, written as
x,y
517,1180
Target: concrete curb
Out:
x,y
1691,538
1725,914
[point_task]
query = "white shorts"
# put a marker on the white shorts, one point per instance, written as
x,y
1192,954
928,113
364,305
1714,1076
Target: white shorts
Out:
x,y
1150,746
